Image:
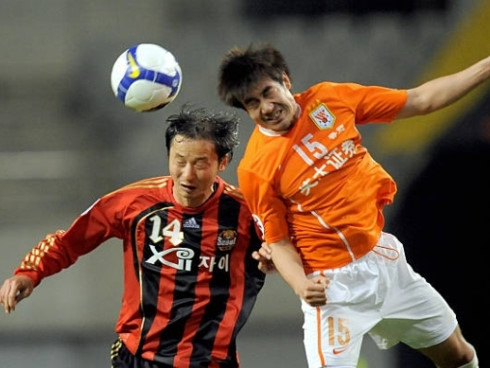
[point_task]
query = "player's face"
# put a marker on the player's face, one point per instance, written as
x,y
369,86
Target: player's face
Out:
x,y
271,104
193,165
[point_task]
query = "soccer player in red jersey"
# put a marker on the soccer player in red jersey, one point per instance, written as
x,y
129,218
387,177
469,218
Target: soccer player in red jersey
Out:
x,y
319,197
190,281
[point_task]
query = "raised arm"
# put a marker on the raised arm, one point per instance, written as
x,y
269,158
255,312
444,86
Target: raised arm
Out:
x,y
441,92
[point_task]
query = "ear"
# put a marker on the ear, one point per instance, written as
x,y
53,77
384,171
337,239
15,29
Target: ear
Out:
x,y
286,81
224,163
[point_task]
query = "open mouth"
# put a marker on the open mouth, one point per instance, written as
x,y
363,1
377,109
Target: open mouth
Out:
x,y
274,118
187,188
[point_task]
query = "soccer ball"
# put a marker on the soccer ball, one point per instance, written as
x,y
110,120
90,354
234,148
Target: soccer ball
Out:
x,y
146,77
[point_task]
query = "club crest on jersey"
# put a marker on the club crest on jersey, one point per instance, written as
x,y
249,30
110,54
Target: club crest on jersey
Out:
x,y
227,239
322,117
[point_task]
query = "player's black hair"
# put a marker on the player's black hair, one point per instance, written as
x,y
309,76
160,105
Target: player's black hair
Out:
x,y
240,69
221,128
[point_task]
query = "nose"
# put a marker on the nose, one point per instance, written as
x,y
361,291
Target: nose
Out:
x,y
188,172
266,107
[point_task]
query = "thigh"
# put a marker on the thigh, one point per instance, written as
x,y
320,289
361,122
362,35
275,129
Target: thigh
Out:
x,y
453,350
333,336
413,311
333,333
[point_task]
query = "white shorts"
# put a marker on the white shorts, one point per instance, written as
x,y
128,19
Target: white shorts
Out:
x,y
379,294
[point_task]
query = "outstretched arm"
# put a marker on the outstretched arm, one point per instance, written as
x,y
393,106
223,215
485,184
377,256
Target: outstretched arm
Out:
x,y
14,290
441,92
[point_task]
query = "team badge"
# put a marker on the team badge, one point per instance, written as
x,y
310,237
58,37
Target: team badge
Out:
x,y
322,117
227,239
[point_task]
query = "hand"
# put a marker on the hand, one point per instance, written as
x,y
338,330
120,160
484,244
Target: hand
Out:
x,y
14,290
313,291
263,256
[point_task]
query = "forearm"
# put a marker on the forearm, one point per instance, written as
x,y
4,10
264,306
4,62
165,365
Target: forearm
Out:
x,y
46,258
441,92
288,263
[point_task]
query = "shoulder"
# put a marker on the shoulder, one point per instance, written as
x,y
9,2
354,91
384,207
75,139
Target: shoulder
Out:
x,y
329,89
230,190
234,192
147,191
264,150
351,96
149,183
146,185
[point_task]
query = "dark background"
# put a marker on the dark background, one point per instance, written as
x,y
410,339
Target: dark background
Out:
x,y
65,140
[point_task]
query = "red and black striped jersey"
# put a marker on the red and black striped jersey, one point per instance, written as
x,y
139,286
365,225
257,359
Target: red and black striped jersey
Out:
x,y
190,282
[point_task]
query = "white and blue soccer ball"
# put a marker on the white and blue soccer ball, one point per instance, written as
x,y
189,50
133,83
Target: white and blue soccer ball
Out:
x,y
146,77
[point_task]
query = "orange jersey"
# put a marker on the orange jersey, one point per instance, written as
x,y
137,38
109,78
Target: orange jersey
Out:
x,y
317,184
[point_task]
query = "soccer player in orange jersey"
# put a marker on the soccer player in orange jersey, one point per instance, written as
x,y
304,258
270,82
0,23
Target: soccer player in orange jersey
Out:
x,y
319,196
190,281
